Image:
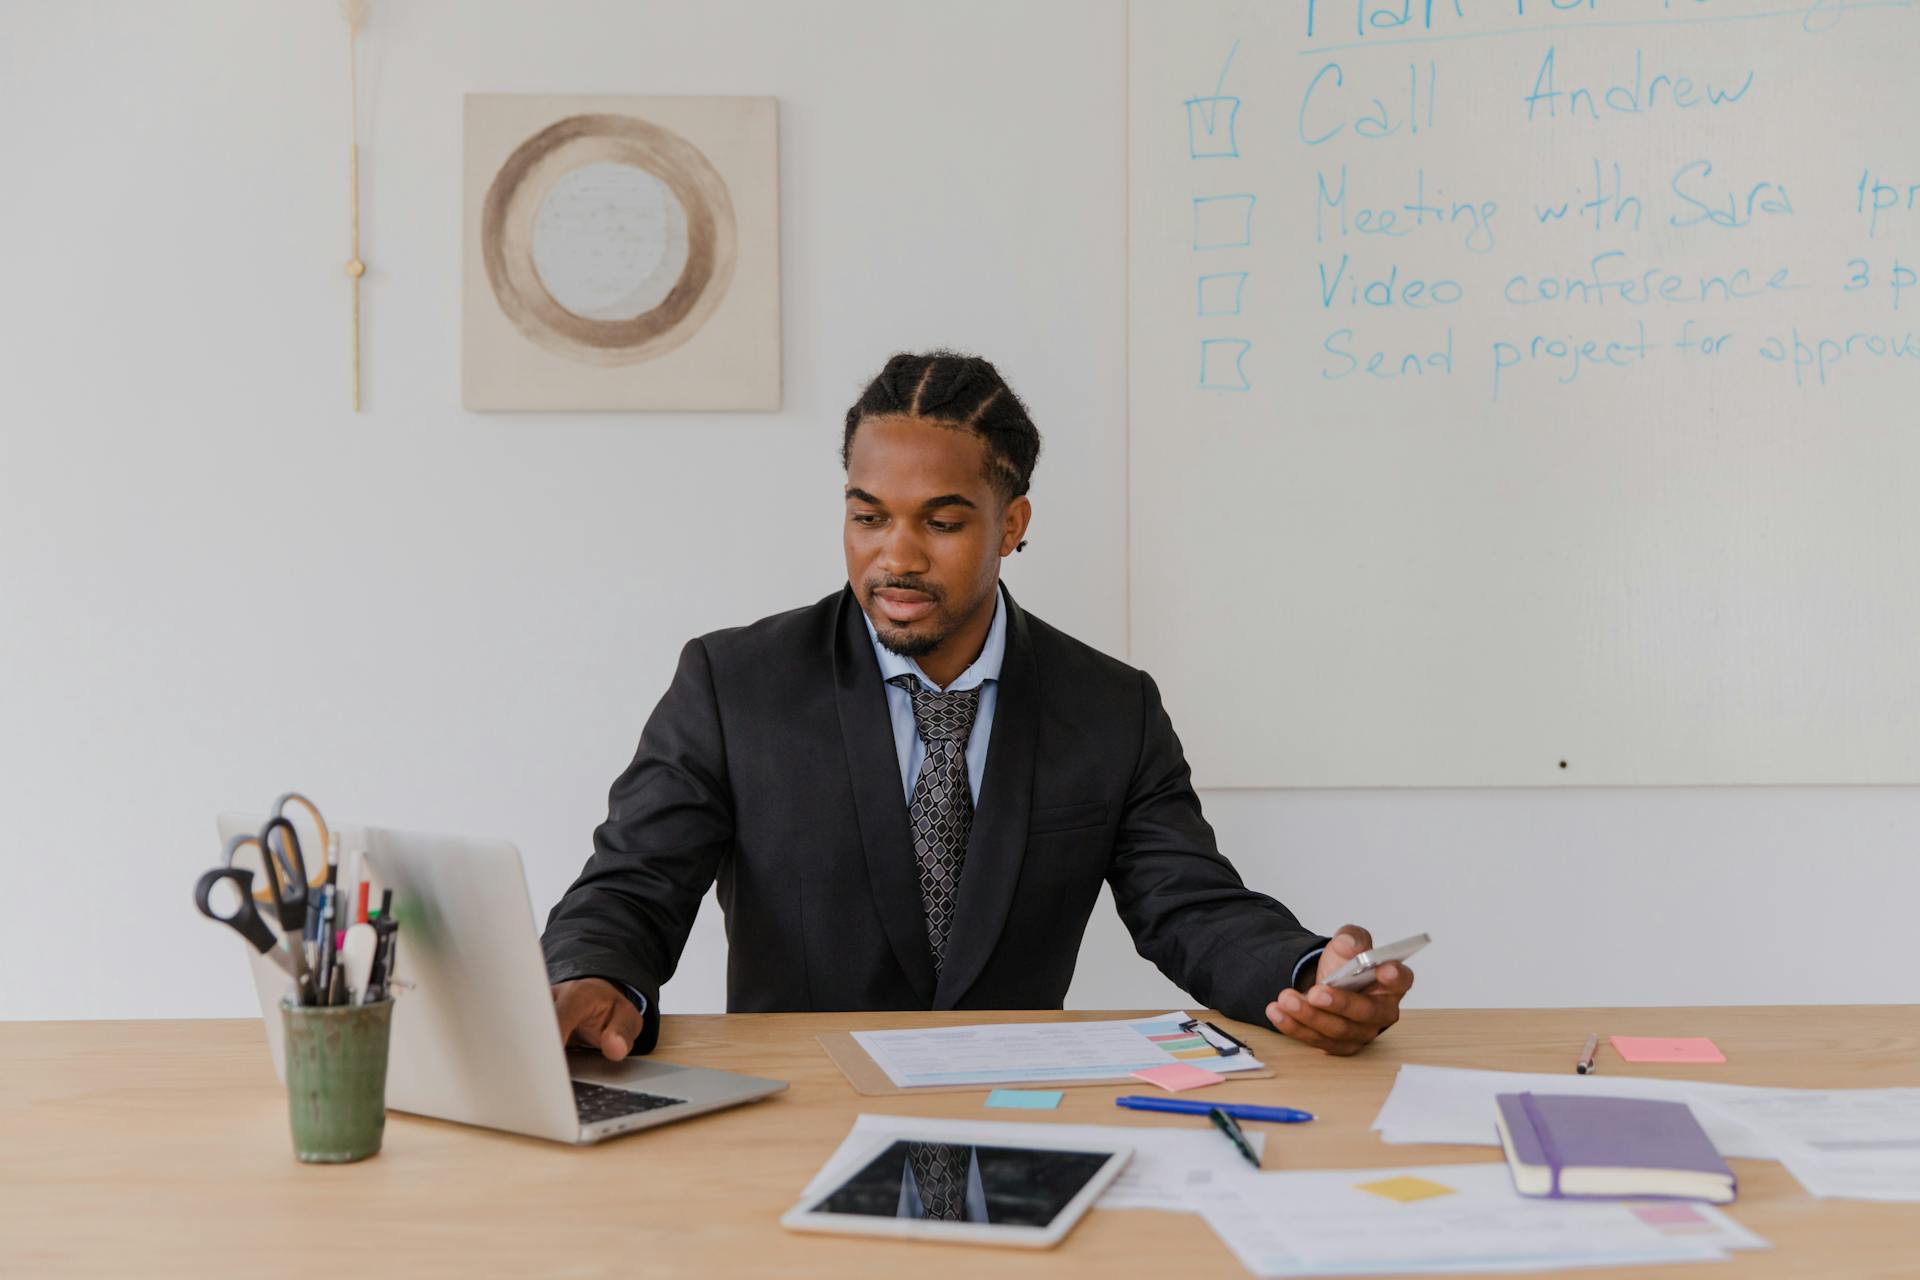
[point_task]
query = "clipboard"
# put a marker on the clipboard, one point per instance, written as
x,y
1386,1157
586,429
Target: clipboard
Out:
x,y
866,1076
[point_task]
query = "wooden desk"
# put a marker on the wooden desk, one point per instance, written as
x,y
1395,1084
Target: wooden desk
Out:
x,y
161,1148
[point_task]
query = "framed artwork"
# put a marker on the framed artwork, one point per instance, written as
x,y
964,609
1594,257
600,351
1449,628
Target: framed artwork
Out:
x,y
621,253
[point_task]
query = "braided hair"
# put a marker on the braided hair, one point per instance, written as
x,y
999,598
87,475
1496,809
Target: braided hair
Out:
x,y
961,391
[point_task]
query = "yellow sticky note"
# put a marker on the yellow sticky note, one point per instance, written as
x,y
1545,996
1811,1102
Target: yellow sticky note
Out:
x,y
1405,1190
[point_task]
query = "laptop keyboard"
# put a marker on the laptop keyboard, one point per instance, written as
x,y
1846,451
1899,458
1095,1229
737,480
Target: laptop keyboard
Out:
x,y
596,1102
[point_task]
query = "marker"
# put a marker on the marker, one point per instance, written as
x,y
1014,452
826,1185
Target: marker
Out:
x,y
1225,1124
1187,1107
1585,1065
356,958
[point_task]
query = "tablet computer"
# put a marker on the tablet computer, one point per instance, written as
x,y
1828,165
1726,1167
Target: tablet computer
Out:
x,y
1030,1194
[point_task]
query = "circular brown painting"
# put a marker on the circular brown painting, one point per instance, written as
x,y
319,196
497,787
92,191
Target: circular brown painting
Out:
x,y
608,239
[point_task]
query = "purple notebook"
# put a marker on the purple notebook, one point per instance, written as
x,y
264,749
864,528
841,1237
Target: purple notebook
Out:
x,y
1580,1145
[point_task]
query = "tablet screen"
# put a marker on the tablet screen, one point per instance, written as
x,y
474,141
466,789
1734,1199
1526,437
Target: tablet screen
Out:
x,y
955,1182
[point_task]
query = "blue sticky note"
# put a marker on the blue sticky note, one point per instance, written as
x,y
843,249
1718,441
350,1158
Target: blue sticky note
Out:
x,y
1026,1099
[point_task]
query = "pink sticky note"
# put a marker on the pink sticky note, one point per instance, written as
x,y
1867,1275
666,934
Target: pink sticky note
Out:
x,y
1668,1215
1177,1077
1667,1049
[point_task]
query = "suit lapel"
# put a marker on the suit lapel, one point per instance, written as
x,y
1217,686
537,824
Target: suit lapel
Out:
x,y
998,844
878,797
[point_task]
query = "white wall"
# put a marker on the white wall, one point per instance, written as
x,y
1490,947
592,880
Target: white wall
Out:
x,y
215,582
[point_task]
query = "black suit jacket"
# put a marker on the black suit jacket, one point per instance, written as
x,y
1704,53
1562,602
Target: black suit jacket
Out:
x,y
770,765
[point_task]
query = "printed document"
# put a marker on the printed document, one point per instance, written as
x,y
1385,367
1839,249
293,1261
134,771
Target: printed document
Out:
x,y
1021,1052
1465,1218
1846,1144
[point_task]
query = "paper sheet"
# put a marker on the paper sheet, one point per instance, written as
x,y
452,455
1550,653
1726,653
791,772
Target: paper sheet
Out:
x,y
1324,1223
1168,1168
1452,1104
1853,1144
1023,1052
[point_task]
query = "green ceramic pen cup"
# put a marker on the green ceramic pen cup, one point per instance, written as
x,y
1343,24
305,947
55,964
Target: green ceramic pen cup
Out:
x,y
336,1078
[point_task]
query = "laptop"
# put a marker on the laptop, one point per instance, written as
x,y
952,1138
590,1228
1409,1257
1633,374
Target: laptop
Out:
x,y
474,1036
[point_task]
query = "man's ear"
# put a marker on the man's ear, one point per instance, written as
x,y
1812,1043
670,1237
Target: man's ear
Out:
x,y
1013,525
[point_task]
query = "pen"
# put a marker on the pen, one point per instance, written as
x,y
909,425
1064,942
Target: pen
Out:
x,y
380,978
324,965
352,872
387,932
1585,1065
1226,1124
1238,1110
324,943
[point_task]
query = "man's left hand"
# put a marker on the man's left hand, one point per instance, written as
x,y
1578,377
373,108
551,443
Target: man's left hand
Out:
x,y
1342,1022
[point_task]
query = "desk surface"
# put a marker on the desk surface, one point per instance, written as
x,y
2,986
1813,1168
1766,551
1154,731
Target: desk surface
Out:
x,y
161,1148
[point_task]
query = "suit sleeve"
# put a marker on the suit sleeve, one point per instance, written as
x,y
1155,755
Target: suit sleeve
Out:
x,y
669,824
1228,946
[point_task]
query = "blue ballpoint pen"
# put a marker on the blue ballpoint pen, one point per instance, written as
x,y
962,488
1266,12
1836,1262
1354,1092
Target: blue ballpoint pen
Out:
x,y
1238,1110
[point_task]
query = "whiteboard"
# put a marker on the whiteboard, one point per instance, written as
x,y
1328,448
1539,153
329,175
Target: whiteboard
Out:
x,y
1527,392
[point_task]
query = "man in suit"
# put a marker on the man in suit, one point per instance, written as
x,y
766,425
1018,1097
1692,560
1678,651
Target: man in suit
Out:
x,y
911,791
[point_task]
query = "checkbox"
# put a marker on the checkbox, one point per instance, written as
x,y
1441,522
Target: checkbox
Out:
x,y
1210,127
1222,364
1220,293
1222,222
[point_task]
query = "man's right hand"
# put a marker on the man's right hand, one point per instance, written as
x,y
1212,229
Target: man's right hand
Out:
x,y
592,1013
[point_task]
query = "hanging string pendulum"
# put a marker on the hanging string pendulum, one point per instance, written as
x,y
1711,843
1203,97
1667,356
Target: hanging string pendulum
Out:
x,y
356,15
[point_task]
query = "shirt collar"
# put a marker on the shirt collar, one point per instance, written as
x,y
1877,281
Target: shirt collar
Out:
x,y
985,667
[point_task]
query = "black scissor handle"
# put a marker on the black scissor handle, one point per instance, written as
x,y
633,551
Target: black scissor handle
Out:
x,y
313,811
291,899
244,921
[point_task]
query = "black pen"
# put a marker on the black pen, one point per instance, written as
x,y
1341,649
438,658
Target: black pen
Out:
x,y
323,948
1231,1127
1585,1065
328,941
380,977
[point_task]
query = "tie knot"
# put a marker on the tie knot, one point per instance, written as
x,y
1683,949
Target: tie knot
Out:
x,y
942,717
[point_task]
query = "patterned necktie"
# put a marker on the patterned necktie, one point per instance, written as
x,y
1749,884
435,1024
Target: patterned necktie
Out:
x,y
941,811
940,1172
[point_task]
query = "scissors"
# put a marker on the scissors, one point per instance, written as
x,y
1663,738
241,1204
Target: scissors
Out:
x,y
285,871
245,919
313,811
286,877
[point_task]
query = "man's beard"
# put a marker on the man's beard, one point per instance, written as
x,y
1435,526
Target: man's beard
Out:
x,y
910,646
